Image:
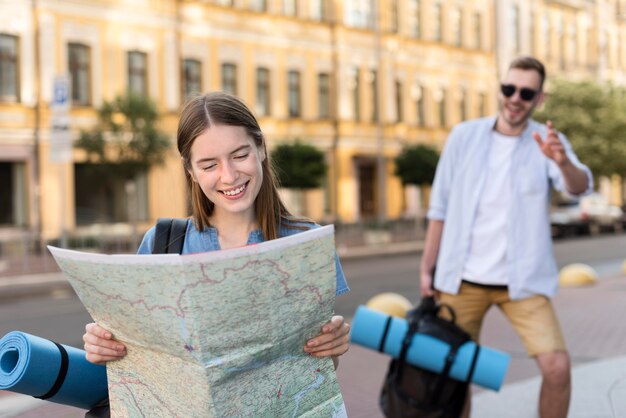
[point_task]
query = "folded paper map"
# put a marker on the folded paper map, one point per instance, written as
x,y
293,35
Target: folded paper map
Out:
x,y
216,334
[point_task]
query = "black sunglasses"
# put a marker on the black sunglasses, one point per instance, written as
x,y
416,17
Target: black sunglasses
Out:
x,y
525,93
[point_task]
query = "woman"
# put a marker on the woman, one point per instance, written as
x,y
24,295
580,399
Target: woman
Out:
x,y
235,202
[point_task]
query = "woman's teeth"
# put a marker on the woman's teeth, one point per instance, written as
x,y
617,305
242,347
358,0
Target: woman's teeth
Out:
x,y
234,191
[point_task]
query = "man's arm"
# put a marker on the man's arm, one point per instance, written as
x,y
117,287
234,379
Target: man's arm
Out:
x,y
576,180
429,256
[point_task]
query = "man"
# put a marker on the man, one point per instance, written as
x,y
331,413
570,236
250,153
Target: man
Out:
x,y
489,229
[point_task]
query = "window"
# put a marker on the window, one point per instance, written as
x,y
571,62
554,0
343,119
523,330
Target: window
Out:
x,y
374,117
323,96
106,199
13,194
229,78
293,91
572,36
531,32
420,93
462,105
9,68
319,10
546,35
358,13
137,73
415,18
393,16
225,2
437,20
482,104
457,26
478,37
262,91
192,77
591,45
290,7
356,94
258,5
514,25
399,107
79,57
560,38
443,120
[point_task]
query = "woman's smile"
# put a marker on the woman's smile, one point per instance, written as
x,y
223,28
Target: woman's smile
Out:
x,y
236,192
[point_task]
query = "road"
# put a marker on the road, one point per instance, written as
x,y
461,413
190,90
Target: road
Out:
x,y
61,316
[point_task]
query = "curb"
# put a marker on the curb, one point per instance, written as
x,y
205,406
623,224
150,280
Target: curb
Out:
x,y
28,285
13,287
380,250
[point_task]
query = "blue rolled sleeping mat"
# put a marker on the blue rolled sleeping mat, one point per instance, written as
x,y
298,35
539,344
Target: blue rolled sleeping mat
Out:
x,y
372,329
58,373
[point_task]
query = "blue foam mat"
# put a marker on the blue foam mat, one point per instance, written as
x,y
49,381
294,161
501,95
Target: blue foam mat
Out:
x,y
428,352
30,365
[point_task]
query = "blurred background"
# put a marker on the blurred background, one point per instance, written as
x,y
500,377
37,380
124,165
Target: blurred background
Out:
x,y
359,94
355,98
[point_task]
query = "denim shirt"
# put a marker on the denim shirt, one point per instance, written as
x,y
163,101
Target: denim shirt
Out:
x,y
198,242
456,192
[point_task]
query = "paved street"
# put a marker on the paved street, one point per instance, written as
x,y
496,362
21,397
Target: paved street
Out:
x,y
591,319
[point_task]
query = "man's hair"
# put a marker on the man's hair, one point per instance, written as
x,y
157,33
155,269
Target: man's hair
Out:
x,y
530,63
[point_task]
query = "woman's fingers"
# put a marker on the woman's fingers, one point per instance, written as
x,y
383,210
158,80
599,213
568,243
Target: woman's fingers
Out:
x,y
100,346
334,340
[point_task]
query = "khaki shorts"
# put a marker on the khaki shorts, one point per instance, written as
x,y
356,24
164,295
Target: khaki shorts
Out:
x,y
533,318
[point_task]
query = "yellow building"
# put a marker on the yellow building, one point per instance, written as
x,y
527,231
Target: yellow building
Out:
x,y
576,39
358,79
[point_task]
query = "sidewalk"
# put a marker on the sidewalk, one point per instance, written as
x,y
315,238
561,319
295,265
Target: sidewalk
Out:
x,y
592,321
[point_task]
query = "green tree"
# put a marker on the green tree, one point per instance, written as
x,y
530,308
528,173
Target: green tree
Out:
x,y
593,117
126,140
416,164
299,166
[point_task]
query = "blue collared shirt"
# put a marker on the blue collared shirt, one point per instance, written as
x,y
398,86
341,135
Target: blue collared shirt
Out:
x,y
198,242
456,192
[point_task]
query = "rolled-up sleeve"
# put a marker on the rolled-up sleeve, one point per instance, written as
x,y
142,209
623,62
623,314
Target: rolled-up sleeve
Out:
x,y
556,177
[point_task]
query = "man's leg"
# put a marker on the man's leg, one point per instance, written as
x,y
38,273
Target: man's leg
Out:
x,y
536,323
470,306
556,386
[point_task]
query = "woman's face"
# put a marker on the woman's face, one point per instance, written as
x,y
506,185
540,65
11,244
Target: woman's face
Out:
x,y
226,164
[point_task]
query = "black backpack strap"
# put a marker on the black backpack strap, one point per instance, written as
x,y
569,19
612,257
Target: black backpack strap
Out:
x,y
169,236
470,374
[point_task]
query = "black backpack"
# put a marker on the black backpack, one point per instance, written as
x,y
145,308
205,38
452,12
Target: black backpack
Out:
x,y
169,238
410,391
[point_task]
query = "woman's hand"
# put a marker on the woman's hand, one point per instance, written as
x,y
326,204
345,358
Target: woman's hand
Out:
x,y
333,341
100,345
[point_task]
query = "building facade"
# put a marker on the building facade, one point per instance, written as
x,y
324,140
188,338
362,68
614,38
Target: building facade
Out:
x,y
358,79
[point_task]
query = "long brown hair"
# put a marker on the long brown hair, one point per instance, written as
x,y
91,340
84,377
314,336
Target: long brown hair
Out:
x,y
199,114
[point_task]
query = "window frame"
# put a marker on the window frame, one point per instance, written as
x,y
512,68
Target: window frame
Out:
x,y
137,73
324,95
356,95
14,61
294,94
399,97
263,100
77,68
187,83
420,106
229,81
